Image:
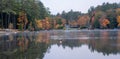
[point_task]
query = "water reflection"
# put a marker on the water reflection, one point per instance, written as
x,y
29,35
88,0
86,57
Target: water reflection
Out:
x,y
22,46
37,45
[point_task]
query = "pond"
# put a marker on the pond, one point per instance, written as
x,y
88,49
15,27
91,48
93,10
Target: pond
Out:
x,y
61,44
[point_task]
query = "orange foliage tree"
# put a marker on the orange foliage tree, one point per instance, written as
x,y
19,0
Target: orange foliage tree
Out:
x,y
104,23
118,16
83,20
118,21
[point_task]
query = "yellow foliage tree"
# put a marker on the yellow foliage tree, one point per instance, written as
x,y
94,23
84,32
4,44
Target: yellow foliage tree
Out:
x,y
39,23
43,24
47,23
22,20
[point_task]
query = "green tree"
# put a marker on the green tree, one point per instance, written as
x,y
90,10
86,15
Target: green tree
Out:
x,y
111,15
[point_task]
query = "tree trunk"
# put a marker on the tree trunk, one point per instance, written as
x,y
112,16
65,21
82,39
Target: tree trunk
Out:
x,y
14,23
6,20
1,19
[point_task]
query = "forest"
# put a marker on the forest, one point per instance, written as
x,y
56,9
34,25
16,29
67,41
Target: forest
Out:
x,y
21,14
33,15
105,16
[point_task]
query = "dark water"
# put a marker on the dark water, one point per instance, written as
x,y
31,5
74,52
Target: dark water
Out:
x,y
61,44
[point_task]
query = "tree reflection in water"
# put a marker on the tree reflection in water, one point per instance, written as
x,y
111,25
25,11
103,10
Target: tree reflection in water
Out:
x,y
34,45
22,46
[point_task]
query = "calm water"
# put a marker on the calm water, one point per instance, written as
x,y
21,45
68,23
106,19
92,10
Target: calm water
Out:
x,y
61,44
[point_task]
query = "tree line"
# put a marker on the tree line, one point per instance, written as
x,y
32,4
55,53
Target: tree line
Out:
x,y
103,16
33,15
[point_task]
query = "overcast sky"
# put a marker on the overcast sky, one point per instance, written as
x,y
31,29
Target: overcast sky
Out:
x,y
56,6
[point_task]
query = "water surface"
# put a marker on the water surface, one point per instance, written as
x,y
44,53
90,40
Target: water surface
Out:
x,y
61,44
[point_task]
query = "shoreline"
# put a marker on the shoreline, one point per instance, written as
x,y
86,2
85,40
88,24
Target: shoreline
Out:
x,y
5,31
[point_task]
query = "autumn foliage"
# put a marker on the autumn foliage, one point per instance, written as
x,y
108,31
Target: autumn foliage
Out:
x,y
49,23
43,24
105,22
83,20
118,21
22,20
73,23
